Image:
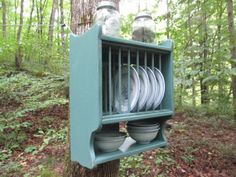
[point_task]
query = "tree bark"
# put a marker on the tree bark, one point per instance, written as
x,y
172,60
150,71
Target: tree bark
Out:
x,y
203,43
52,21
190,38
31,17
15,16
40,7
221,92
232,44
4,19
74,16
167,20
62,22
18,55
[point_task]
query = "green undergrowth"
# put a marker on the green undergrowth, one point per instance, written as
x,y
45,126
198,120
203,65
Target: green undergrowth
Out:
x,y
144,163
22,92
133,165
223,112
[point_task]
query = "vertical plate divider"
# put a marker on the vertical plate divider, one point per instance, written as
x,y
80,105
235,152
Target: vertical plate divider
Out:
x,y
129,81
110,87
137,65
161,72
145,66
105,65
153,70
119,64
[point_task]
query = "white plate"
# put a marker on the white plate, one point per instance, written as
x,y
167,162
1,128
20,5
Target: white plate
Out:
x,y
161,84
121,101
144,88
153,88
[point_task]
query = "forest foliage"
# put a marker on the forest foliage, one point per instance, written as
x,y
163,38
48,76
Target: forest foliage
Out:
x,y
34,68
33,39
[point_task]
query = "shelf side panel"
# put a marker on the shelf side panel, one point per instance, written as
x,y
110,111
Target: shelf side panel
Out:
x,y
167,69
85,94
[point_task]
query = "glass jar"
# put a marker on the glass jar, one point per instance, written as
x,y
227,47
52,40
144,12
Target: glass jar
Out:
x,y
107,16
143,28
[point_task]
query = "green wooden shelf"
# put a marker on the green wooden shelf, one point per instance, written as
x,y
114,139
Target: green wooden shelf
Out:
x,y
130,43
134,149
109,119
90,53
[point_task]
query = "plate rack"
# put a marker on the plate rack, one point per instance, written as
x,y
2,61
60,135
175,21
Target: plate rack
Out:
x,y
94,61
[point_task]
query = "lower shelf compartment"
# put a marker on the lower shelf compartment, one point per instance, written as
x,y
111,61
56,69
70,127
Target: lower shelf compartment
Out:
x,y
134,149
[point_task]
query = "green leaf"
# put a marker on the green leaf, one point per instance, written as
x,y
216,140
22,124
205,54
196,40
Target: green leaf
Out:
x,y
30,149
210,78
159,161
1,127
233,71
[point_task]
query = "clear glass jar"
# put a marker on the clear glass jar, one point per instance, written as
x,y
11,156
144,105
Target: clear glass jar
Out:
x,y
107,16
143,28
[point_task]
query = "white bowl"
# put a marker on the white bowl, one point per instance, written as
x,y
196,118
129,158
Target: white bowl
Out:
x,y
142,123
109,146
109,141
143,137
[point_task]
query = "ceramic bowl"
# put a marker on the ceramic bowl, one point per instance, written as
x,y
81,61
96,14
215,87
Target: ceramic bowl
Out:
x,y
143,128
143,124
108,142
109,135
143,137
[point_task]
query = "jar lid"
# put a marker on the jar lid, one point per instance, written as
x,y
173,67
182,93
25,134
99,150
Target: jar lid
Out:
x,y
104,4
143,15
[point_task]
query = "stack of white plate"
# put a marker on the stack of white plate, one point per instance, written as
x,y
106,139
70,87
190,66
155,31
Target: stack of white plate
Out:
x,y
147,88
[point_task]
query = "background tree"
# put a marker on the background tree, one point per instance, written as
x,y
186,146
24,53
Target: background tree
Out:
x,y
232,43
18,56
4,19
52,21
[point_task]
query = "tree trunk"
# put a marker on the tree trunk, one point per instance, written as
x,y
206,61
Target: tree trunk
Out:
x,y
18,55
221,93
40,7
167,20
62,23
109,169
74,16
232,44
4,19
31,17
190,38
52,21
203,43
15,16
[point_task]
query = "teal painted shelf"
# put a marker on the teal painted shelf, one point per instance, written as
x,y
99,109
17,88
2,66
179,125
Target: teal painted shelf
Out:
x,y
109,119
94,60
163,49
134,149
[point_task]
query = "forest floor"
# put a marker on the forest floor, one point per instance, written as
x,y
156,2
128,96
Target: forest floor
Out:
x,y
34,129
197,147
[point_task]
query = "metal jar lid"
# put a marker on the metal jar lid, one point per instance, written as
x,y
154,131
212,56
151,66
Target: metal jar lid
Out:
x,y
104,4
143,15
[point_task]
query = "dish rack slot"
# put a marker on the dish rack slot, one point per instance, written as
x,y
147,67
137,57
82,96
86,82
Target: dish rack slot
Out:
x,y
114,59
